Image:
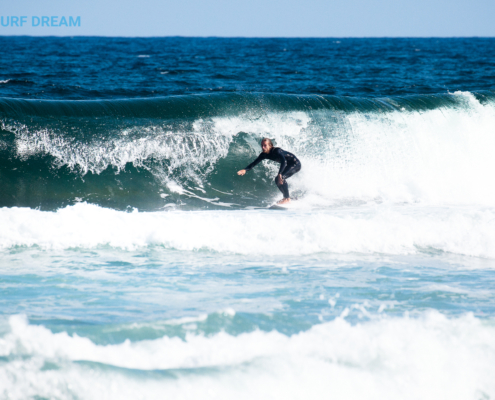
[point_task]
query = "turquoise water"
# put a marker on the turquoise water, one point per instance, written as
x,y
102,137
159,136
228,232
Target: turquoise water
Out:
x,y
135,263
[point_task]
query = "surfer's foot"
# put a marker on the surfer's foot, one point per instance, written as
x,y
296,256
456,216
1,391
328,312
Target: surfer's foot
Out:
x,y
283,201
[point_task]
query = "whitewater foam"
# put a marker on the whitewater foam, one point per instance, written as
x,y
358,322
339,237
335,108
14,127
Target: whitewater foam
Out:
x,y
184,151
429,357
441,156
366,230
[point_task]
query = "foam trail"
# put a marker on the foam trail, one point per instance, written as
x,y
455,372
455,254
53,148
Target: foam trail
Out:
x,y
429,357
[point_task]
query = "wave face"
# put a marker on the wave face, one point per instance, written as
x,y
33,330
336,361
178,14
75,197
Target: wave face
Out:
x,y
184,151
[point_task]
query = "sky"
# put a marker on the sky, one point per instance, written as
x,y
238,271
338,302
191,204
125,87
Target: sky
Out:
x,y
249,18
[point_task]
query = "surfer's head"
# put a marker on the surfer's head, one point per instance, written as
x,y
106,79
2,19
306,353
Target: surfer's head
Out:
x,y
266,145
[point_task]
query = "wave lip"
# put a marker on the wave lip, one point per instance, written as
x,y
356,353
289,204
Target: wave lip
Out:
x,y
225,104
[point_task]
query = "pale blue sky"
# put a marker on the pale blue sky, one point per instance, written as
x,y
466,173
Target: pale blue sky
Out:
x,y
257,18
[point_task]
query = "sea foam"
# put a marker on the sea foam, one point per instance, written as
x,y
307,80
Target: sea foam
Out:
x,y
365,229
429,357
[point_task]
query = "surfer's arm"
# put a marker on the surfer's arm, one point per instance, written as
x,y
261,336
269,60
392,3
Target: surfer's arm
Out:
x,y
260,158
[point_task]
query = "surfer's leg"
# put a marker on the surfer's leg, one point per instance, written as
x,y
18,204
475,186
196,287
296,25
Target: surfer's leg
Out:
x,y
284,188
287,173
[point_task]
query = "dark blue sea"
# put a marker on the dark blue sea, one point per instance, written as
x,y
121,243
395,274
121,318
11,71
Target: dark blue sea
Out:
x,y
136,264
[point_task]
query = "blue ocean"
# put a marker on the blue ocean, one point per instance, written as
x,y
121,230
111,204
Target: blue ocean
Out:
x,y
136,264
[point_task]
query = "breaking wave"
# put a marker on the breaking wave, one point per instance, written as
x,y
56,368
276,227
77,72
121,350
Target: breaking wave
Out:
x,y
183,151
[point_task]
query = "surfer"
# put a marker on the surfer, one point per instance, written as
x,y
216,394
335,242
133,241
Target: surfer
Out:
x,y
289,165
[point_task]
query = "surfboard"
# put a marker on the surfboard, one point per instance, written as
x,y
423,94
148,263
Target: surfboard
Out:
x,y
277,207
286,206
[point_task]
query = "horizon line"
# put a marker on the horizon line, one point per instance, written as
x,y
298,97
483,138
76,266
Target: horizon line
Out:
x,y
253,37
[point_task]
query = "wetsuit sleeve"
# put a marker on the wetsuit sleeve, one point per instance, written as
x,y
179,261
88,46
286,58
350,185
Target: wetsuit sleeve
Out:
x,y
260,158
283,161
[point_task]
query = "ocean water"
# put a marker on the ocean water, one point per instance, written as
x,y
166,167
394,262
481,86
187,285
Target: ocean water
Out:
x,y
136,264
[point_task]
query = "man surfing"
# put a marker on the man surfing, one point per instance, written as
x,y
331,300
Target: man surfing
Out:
x,y
289,165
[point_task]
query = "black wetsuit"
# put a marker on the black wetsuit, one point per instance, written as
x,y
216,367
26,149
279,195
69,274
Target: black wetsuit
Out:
x,y
289,165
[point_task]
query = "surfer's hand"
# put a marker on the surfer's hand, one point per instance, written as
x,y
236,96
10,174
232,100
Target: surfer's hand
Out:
x,y
241,172
280,179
